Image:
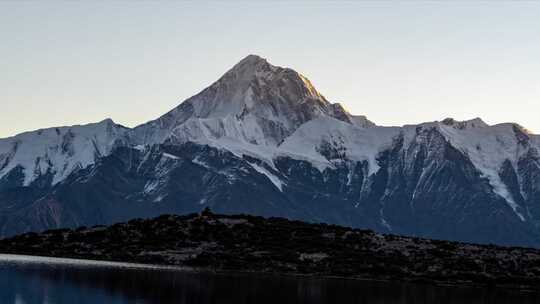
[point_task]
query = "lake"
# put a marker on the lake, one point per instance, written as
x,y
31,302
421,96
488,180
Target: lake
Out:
x,y
33,280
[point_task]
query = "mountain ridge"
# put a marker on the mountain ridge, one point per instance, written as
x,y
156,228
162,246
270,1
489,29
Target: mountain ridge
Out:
x,y
265,129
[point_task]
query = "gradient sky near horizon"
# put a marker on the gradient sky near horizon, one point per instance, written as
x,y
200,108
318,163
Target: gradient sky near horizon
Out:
x,y
64,63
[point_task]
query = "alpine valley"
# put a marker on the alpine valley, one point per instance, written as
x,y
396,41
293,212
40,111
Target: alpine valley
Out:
x,y
262,140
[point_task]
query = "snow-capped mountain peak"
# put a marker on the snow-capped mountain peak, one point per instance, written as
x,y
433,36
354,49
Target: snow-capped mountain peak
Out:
x,y
56,152
254,102
255,86
257,73
263,140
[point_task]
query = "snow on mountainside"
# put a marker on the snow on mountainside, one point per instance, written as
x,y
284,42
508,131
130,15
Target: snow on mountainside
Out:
x,y
325,139
263,140
253,103
488,147
263,111
57,151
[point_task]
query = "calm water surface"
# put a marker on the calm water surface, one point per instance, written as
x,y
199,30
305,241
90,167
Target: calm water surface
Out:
x,y
45,280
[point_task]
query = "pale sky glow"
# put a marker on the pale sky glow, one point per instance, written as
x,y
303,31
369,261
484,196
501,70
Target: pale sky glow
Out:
x,y
64,63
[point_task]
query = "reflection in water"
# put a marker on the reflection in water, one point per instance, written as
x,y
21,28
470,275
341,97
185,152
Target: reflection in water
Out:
x,y
50,282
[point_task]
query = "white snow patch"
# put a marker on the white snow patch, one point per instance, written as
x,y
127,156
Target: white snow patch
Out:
x,y
141,148
150,186
159,198
274,179
168,155
199,162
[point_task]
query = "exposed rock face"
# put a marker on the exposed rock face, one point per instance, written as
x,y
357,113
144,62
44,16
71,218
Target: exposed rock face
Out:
x,y
262,140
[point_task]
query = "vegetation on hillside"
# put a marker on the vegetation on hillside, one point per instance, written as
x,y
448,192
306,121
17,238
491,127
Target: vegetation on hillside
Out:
x,y
277,245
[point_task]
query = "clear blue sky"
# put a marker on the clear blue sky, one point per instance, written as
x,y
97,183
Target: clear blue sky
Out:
x,y
64,63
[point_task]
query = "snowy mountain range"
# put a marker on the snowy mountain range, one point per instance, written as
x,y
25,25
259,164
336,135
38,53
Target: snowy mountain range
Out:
x,y
263,140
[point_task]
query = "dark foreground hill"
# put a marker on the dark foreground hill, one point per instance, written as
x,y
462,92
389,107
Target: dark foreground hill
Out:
x,y
250,243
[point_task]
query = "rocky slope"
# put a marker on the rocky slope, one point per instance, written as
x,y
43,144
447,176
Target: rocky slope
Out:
x,y
248,243
262,140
